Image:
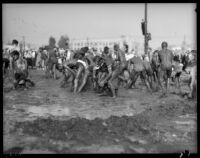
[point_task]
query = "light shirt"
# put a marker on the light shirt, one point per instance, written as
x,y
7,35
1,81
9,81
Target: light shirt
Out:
x,y
129,56
68,54
33,54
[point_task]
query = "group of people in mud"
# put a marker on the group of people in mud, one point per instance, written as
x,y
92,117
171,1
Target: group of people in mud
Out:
x,y
107,71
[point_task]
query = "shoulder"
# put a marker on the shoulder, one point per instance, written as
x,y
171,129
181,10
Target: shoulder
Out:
x,y
160,51
169,51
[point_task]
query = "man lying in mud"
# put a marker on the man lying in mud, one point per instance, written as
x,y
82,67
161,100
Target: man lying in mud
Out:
x,y
166,60
20,72
115,70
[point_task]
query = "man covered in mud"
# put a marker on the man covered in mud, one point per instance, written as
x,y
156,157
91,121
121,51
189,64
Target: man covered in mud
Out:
x,y
177,68
15,48
79,69
115,70
166,60
20,71
104,64
140,68
83,71
6,61
149,72
52,62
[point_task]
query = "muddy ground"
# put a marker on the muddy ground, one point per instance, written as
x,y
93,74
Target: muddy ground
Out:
x,y
50,119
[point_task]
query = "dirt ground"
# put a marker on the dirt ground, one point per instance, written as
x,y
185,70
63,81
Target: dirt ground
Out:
x,y
50,119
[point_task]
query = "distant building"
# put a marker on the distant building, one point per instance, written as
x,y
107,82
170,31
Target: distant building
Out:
x,y
99,44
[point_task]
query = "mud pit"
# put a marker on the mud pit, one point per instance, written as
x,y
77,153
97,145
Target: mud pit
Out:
x,y
49,119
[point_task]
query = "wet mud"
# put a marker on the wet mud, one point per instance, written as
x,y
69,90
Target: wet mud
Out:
x,y
50,119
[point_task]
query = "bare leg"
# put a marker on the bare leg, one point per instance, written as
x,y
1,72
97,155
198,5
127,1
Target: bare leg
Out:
x,y
160,75
85,77
114,76
72,85
54,71
78,75
112,88
144,80
149,80
179,86
66,76
133,80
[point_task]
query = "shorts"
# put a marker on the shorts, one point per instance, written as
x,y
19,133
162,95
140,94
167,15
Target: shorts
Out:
x,y
6,62
167,71
21,76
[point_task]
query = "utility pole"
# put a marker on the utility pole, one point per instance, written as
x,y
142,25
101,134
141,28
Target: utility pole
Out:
x,y
145,36
87,41
23,42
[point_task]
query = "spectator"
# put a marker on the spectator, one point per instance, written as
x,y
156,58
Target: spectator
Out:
x,y
33,56
29,58
38,60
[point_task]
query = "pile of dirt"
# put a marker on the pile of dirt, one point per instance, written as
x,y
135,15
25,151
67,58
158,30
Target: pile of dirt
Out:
x,y
86,131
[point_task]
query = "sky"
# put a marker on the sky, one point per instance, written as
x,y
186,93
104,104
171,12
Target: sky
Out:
x,y
37,22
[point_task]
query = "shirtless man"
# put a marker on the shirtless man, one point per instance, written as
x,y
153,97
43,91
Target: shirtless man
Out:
x,y
100,70
81,64
118,67
166,60
6,62
139,69
52,62
20,71
105,64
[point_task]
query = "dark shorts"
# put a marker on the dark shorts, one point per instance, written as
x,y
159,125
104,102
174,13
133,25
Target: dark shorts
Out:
x,y
21,76
51,62
167,71
29,61
6,62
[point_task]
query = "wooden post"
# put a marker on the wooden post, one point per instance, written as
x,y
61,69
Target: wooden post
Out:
x,y
145,37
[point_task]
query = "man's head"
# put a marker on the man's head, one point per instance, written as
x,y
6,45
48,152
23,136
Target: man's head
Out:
x,y
85,49
15,42
116,47
164,45
106,50
126,48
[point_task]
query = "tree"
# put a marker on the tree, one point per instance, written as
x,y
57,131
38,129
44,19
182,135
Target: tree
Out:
x,y
63,42
52,42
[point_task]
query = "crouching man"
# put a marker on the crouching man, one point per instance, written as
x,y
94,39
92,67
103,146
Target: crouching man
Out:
x,y
20,72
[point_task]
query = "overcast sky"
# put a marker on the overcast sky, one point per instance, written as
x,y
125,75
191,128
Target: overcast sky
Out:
x,y
37,22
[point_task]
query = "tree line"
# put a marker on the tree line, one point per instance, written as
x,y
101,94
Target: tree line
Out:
x,y
63,42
